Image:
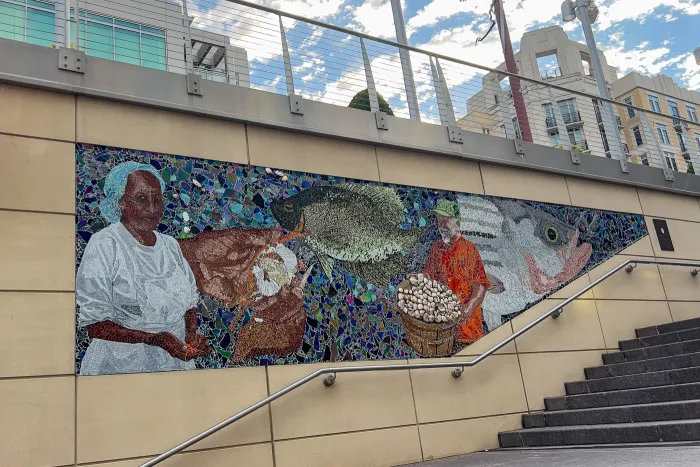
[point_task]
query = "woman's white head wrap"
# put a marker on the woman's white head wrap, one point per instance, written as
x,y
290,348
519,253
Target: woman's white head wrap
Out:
x,y
115,184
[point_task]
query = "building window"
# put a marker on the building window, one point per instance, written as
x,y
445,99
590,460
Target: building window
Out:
x,y
692,116
486,131
663,133
516,127
688,164
576,137
670,160
28,21
637,136
673,107
550,119
697,141
568,111
645,159
681,140
555,140
123,41
630,110
654,103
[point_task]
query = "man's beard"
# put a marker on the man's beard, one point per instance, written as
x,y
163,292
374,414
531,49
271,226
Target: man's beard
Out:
x,y
446,235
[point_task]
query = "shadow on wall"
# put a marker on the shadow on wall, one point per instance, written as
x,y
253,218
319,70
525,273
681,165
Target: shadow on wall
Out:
x,y
186,263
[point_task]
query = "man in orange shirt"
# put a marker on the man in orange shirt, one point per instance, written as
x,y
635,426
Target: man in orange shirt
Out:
x,y
455,262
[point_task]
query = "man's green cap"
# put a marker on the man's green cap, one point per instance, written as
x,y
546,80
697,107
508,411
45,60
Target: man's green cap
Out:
x,y
446,207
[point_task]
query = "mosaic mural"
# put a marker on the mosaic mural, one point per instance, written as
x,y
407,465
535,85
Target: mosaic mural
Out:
x,y
187,263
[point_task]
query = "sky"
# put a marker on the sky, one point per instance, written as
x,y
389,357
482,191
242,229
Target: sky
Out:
x,y
648,36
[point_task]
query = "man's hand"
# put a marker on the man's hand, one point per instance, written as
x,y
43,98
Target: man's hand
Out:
x,y
174,346
199,342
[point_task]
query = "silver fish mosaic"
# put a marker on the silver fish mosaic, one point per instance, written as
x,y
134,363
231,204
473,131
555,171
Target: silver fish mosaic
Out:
x,y
185,263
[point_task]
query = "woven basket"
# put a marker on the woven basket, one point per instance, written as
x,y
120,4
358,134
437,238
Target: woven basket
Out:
x,y
428,339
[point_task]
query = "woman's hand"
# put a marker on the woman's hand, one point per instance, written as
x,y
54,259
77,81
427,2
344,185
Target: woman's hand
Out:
x,y
174,346
200,343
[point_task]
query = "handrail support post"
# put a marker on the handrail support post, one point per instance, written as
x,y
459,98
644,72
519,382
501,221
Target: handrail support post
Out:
x,y
630,267
694,272
329,380
557,313
457,372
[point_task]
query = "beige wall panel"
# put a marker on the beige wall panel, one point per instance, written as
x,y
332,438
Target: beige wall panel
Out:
x,y
684,310
38,174
142,414
37,331
428,170
136,127
37,113
524,184
577,328
254,455
305,153
544,374
489,340
669,205
352,404
620,318
462,436
492,387
679,283
644,283
640,248
684,235
37,251
570,289
37,425
600,195
376,448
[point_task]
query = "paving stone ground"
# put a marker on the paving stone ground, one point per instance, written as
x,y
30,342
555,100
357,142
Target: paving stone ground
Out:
x,y
656,456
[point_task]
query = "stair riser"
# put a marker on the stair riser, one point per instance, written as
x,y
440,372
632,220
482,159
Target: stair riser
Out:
x,y
670,327
601,435
626,397
649,353
643,380
623,369
688,411
661,339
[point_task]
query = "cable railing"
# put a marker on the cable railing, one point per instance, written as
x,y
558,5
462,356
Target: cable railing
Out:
x,y
331,373
245,44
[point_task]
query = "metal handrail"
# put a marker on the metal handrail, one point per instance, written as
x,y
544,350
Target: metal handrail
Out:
x,y
331,372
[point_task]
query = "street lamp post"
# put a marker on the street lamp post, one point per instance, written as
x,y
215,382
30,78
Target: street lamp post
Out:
x,y
587,13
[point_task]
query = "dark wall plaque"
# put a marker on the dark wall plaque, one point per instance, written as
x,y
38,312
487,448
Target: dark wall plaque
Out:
x,y
663,235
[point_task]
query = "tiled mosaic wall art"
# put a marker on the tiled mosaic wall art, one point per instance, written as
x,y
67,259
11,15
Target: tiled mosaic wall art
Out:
x,y
187,263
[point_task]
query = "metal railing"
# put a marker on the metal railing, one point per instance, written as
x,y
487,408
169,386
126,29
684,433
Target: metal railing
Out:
x,y
268,49
572,117
457,367
551,73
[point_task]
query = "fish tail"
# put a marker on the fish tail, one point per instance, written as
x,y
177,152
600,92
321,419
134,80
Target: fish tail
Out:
x,y
380,272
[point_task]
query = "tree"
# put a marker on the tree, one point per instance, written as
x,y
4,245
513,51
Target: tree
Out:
x,y
361,101
691,169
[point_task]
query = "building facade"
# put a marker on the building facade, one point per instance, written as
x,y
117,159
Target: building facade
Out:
x,y
557,118
148,33
674,142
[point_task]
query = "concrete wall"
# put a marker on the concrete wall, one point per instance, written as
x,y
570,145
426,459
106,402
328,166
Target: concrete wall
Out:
x,y
50,417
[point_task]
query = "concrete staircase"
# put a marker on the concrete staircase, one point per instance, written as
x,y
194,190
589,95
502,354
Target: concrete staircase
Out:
x,y
647,392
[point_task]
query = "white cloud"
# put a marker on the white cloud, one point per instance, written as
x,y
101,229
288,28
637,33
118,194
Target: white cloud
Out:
x,y
641,59
620,10
690,72
374,17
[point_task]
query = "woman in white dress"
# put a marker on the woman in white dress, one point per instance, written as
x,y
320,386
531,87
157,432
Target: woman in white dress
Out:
x,y
135,291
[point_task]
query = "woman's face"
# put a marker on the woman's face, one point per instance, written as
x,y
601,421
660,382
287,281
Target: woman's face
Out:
x,y
142,202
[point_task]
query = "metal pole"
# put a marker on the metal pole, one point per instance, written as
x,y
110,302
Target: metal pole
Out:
x,y
511,66
611,130
287,60
405,58
66,27
371,89
77,25
189,63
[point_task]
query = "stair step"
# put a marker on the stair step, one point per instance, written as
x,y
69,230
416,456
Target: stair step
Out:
x,y
656,351
670,327
660,339
649,395
643,366
660,411
640,380
643,432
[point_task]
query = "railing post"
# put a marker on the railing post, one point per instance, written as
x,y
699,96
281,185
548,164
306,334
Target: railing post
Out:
x,y
66,27
437,84
189,63
371,89
405,59
447,100
287,62
561,126
649,131
505,116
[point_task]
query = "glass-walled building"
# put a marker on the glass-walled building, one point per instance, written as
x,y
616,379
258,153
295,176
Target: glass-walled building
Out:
x,y
147,33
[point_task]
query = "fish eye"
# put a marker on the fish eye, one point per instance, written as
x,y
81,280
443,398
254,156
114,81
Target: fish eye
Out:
x,y
551,233
288,206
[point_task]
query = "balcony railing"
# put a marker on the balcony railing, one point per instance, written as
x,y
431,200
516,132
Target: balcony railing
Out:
x,y
550,122
571,118
581,143
551,73
625,149
684,148
599,117
587,71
